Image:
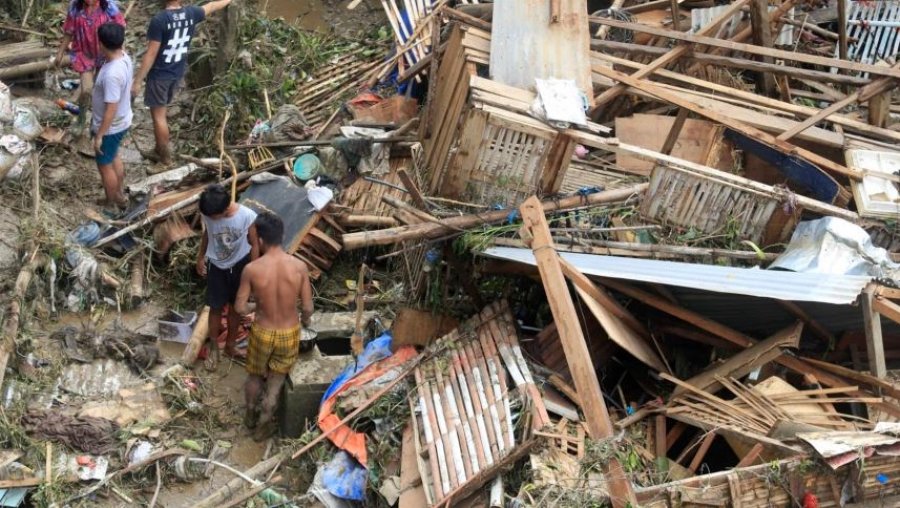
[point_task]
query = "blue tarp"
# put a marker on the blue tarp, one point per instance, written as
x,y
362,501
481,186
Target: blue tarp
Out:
x,y
377,349
344,477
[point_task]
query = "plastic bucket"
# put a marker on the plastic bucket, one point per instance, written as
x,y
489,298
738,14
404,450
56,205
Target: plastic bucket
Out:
x,y
306,167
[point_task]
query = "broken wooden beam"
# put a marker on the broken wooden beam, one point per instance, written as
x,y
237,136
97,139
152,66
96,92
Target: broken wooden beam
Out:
x,y
198,338
578,356
873,89
752,132
746,360
430,230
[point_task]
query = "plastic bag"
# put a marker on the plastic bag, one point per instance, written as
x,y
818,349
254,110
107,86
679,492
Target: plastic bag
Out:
x,y
26,123
6,108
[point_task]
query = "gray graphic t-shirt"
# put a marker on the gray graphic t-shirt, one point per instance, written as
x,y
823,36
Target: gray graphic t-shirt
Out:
x,y
228,237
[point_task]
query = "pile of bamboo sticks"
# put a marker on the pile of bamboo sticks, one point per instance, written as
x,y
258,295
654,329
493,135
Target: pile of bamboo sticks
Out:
x,y
755,412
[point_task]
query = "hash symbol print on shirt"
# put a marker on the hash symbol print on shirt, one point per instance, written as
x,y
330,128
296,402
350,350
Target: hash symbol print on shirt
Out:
x,y
177,46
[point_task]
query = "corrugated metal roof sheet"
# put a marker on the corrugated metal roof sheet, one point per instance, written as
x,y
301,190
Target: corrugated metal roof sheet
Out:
x,y
781,285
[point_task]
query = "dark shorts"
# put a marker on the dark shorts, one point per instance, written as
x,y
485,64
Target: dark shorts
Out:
x,y
222,285
109,148
160,92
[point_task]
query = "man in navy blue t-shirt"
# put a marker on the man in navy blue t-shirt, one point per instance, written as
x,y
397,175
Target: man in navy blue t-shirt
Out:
x,y
165,63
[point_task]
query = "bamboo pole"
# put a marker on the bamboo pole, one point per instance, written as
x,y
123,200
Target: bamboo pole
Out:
x,y
430,230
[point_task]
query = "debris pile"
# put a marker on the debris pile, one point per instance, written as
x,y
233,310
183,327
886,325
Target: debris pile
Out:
x,y
643,256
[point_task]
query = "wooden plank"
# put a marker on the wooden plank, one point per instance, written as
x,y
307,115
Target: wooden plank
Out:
x,y
875,88
577,353
741,127
723,61
622,335
874,340
691,142
674,434
745,361
701,452
750,48
413,189
412,491
675,131
762,36
673,55
420,327
887,308
813,325
751,456
879,109
609,303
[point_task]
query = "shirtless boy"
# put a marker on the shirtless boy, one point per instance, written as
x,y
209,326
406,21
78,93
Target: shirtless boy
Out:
x,y
276,279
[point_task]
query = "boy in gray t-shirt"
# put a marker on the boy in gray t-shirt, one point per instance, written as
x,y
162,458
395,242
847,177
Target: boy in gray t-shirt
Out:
x,y
228,245
112,111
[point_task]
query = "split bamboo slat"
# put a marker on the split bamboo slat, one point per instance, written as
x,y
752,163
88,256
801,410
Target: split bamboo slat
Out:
x,y
464,403
316,98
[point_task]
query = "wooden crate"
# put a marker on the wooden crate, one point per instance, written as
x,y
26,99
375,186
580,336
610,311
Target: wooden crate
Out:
x,y
480,144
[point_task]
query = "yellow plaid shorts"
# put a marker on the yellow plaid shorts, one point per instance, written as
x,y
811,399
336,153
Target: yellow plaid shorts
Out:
x,y
272,350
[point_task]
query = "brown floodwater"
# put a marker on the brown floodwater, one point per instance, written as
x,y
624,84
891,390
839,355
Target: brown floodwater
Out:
x,y
308,14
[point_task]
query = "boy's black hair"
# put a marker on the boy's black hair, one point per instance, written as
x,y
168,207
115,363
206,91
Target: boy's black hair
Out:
x,y
111,36
214,200
269,228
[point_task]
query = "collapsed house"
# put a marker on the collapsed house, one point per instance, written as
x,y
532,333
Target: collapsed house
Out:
x,y
692,206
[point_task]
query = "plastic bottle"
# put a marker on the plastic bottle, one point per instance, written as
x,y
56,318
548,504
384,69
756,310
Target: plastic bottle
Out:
x,y
68,106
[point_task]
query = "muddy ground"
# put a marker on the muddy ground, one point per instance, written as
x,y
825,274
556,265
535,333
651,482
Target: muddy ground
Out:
x,y
69,184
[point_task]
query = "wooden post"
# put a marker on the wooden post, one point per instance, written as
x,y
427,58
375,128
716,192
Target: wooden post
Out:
x,y
660,443
880,109
874,342
575,348
762,36
842,29
676,21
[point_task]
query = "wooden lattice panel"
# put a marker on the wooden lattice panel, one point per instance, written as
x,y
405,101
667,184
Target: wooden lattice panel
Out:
x,y
711,206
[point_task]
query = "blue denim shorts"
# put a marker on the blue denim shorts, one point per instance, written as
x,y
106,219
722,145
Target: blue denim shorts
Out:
x,y
109,148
